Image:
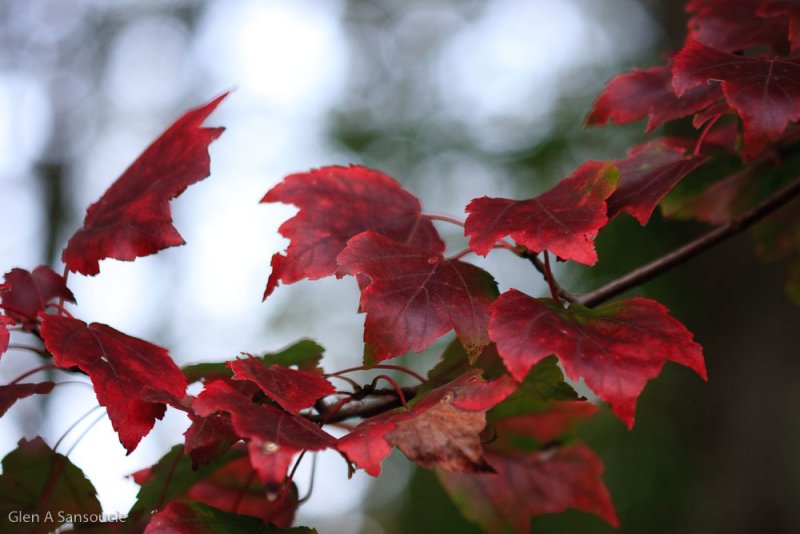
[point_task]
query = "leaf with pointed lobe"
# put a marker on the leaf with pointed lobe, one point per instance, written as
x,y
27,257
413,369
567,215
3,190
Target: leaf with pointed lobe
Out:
x,y
28,293
734,25
414,296
36,479
564,220
649,172
5,335
439,428
123,370
133,217
208,437
336,204
290,388
764,91
540,429
11,393
648,93
616,348
531,484
274,435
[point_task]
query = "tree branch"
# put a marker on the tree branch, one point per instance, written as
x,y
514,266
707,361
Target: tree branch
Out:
x,y
693,248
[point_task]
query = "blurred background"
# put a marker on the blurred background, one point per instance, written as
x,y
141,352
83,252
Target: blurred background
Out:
x,y
454,98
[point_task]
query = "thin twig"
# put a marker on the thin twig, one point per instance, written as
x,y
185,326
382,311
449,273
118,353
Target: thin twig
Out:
x,y
536,262
445,218
693,248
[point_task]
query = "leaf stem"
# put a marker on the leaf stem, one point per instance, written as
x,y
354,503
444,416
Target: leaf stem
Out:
x,y
548,275
380,366
703,135
444,218
459,255
32,371
394,385
73,425
693,248
540,266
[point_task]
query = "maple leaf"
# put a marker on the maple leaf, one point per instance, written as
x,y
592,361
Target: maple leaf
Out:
x,y
336,204
124,370
784,10
564,220
11,393
292,389
616,348
133,217
275,435
764,91
532,484
208,437
649,172
734,25
414,296
648,93
28,293
439,428
37,480
5,335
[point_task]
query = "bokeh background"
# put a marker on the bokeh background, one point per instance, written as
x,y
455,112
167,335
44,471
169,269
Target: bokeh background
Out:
x,y
454,98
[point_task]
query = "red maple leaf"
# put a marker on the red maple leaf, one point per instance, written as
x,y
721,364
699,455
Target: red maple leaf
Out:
x,y
292,389
415,296
764,91
124,371
11,393
616,348
208,437
336,204
564,220
28,293
5,335
133,217
734,25
648,93
531,484
649,172
274,435
441,428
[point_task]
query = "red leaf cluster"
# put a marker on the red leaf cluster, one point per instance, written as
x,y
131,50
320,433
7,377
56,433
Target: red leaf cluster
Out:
x,y
28,293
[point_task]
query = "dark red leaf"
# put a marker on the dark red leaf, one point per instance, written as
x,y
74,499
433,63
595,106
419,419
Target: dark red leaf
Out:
x,y
784,10
531,484
208,437
11,393
734,25
616,348
28,293
5,335
275,435
293,390
549,425
564,220
133,217
441,428
649,172
123,370
336,204
764,91
648,93
414,296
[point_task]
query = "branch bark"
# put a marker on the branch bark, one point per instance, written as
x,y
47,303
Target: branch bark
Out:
x,y
693,248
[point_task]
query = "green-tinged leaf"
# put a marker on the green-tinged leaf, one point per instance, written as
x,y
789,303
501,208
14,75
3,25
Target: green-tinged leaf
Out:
x,y
196,518
305,354
455,362
543,385
38,481
172,476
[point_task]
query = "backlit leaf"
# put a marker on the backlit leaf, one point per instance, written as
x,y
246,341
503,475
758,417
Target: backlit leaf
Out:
x,y
133,217
28,293
336,204
564,220
616,348
413,296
